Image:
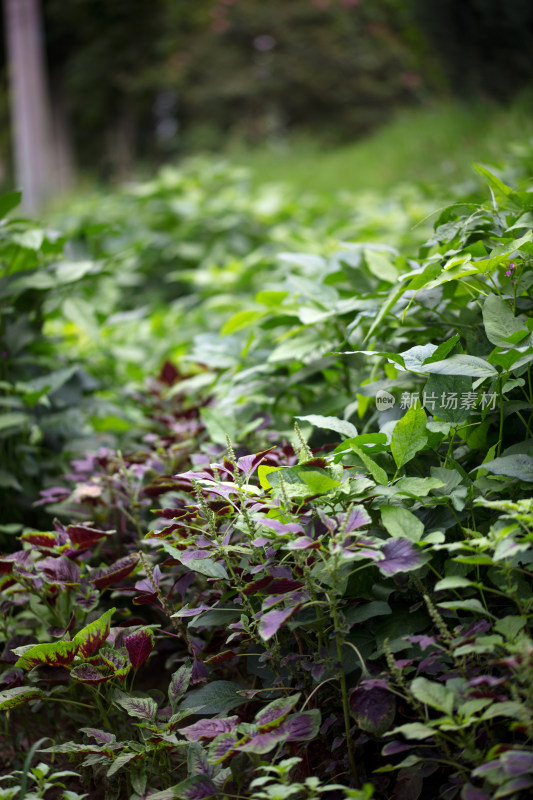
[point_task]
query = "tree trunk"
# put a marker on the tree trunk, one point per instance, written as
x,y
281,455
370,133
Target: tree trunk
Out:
x,y
29,103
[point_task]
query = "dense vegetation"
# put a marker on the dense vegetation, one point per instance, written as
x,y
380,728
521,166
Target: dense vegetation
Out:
x,y
296,560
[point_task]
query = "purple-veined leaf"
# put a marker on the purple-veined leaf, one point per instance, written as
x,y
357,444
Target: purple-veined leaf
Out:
x,y
190,555
249,464
373,708
197,762
139,646
488,766
164,794
103,578
280,527
469,792
179,683
199,670
12,560
55,654
196,476
142,707
55,494
197,787
260,743
261,541
102,737
274,713
296,728
400,556
90,638
301,727
222,748
75,747
116,660
392,748
89,673
60,570
209,728
296,598
303,543
144,585
271,622
517,761
10,698
357,517
422,640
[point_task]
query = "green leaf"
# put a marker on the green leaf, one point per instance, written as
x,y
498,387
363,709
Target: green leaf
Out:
x,y
121,761
71,271
271,298
377,472
453,582
240,320
417,487
331,424
409,436
502,251
13,419
82,313
381,266
214,619
375,608
399,522
218,425
516,466
215,697
90,638
462,364
318,481
204,566
508,708
10,698
500,322
262,473
413,730
312,480
31,239
493,180
443,349
9,201
385,308
443,398
467,605
510,626
433,694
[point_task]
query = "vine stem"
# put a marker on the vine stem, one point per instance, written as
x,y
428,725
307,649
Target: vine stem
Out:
x,y
345,703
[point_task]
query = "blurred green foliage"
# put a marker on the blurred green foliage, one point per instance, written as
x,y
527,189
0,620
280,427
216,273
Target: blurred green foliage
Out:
x,y
143,81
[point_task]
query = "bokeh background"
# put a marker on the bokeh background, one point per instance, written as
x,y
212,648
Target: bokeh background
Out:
x,y
130,84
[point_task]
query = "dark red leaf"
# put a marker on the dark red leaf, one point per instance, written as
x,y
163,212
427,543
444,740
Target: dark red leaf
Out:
x,y
139,646
121,569
83,536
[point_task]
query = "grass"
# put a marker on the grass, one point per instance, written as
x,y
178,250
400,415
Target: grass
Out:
x,y
435,146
